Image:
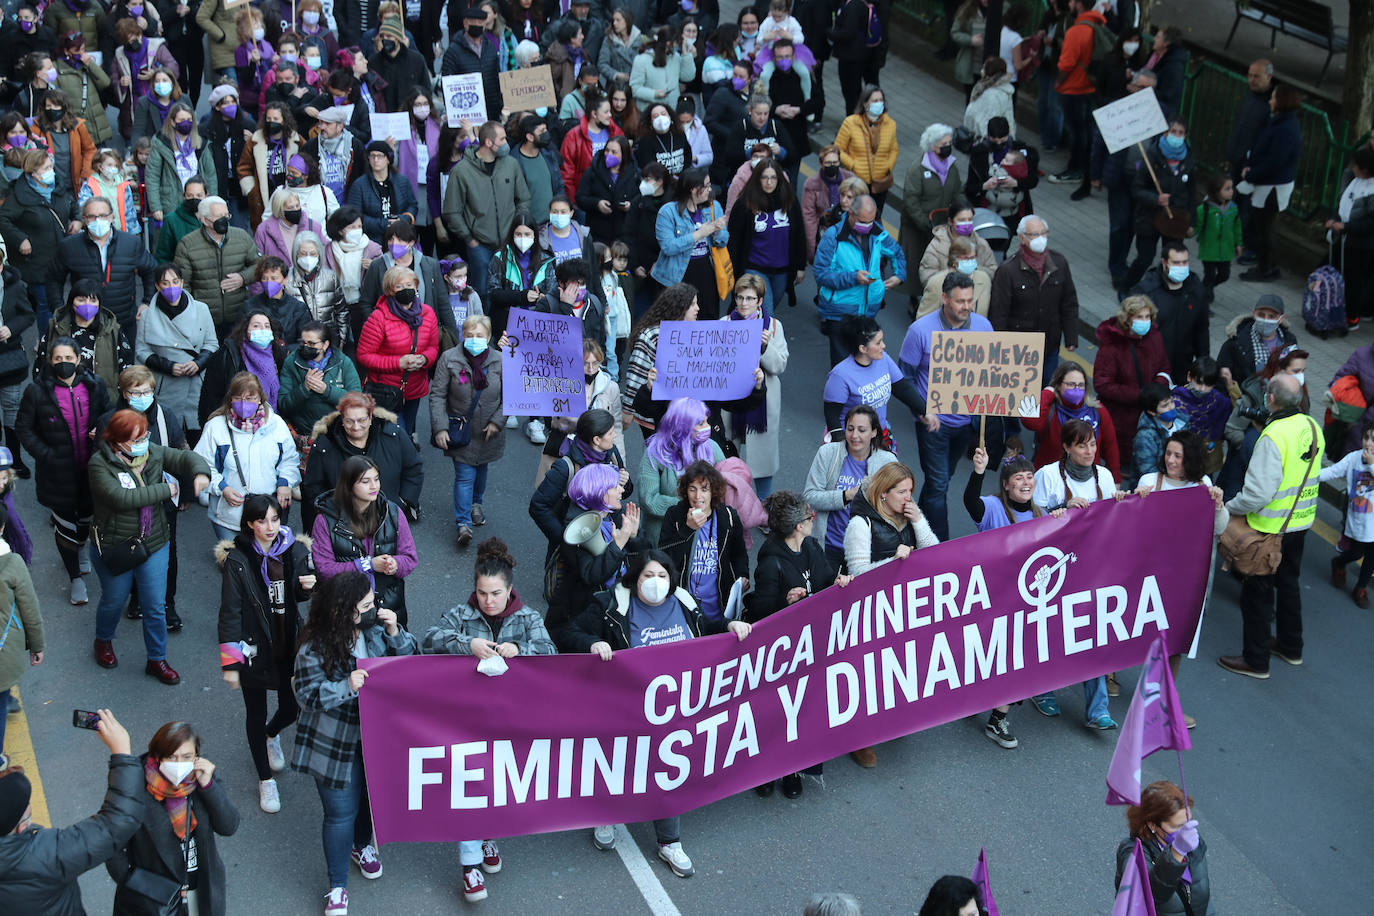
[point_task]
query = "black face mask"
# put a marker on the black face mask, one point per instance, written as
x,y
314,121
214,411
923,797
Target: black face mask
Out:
x,y
590,378
221,225
310,354
64,371
133,46
273,128
389,47
54,114
944,152
190,206
368,620
475,31
542,140
831,172
292,216
406,296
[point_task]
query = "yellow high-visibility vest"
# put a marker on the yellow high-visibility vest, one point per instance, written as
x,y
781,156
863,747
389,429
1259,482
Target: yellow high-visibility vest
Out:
x,y
1293,436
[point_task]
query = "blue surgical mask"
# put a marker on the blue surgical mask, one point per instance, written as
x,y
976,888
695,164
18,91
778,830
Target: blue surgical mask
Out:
x,y
475,345
1266,326
968,265
875,109
1178,273
1169,416
260,337
141,402
542,111
1140,326
1173,147
560,220
139,448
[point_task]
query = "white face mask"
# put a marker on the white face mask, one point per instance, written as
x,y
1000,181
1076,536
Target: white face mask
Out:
x,y
662,123
307,262
420,111
1130,47
1301,377
176,770
354,237
647,188
111,173
654,590
1038,245
524,242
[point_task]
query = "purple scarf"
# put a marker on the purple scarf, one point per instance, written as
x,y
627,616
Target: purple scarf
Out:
x,y
1083,411
522,260
260,362
477,365
755,419
588,454
938,166
411,316
279,547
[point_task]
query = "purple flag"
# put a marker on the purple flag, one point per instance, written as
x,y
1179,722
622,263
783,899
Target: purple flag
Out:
x,y
1133,895
980,878
1154,722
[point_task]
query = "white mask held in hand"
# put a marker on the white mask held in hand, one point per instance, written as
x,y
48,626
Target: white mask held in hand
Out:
x,y
493,667
176,770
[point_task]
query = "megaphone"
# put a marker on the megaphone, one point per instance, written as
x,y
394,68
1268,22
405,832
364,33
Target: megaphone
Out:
x,y
585,531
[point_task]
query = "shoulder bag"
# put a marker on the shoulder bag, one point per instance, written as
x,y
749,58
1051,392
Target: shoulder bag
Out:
x,y
1256,553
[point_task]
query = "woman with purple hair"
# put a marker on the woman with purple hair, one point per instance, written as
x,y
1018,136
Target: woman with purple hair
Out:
x,y
582,570
682,437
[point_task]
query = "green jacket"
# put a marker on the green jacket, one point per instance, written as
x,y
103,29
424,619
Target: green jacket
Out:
x,y
481,205
1218,231
117,495
303,408
176,225
165,185
203,264
26,629
87,82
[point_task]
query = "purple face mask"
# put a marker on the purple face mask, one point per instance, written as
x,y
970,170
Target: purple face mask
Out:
x,y
185,127
135,9
863,228
27,26
784,63
245,409
172,294
612,160
230,111
738,82
86,310
399,250
272,288
963,228
1073,396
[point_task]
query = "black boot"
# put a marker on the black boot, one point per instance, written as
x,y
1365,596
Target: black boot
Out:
x,y
20,469
173,621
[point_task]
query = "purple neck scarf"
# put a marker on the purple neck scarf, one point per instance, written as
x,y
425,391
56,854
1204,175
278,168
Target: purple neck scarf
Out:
x,y
279,547
260,362
938,166
755,419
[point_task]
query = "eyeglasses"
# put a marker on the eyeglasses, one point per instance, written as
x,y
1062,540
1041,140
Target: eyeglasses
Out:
x,y
356,424
1073,386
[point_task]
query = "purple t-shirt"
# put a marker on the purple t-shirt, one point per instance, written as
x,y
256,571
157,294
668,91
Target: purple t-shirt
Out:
x,y
772,235
852,474
915,354
702,247
703,574
849,384
653,626
995,515
565,249
598,138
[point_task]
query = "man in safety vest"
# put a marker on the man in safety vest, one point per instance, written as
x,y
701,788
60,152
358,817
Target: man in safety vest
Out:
x,y
1280,495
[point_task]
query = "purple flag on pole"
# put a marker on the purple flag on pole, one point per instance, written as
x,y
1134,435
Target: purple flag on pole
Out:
x,y
1133,895
1154,722
980,878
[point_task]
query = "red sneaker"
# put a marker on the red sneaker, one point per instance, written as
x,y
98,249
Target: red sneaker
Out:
x,y
474,888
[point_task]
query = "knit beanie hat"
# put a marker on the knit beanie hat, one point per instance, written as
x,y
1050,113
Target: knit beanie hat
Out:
x,y
391,27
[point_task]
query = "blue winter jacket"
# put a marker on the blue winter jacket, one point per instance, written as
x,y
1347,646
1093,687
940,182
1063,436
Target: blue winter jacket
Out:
x,y
1274,157
674,232
839,258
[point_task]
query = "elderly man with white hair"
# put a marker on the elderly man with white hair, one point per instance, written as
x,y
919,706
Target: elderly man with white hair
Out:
x,y
216,262
1033,291
933,182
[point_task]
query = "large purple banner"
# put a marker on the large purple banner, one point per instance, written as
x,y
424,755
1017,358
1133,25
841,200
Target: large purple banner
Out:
x,y
572,741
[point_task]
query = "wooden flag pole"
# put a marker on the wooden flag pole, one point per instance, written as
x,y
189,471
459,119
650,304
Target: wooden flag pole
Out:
x,y
1153,177
982,430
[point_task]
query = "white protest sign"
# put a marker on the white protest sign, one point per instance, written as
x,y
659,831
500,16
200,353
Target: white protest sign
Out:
x,y
1130,120
393,124
465,99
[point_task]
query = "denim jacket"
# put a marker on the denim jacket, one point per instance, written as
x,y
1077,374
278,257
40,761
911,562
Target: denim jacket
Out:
x,y
674,231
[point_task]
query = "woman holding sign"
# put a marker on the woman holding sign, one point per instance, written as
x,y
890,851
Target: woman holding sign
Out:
x,y
465,419
492,624
645,610
755,431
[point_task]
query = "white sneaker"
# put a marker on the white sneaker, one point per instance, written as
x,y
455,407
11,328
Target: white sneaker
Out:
x,y
275,758
79,594
83,562
677,860
535,432
603,838
512,422
336,902
269,799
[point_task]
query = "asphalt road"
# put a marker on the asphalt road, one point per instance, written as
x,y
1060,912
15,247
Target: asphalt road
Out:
x,y
1275,767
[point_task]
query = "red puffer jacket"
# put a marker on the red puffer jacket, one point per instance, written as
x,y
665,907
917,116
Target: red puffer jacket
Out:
x,y
385,339
1126,363
1049,448
577,154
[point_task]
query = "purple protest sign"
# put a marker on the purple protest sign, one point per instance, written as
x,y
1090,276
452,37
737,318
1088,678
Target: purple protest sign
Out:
x,y
707,360
953,630
542,366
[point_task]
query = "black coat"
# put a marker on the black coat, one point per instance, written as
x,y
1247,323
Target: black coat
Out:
x,y
460,58
216,132
605,621
128,261
779,570
245,610
26,217
219,371
849,37
675,539
1181,316
402,471
39,867
16,313
599,184
156,848
724,114
403,74
742,239
61,485
980,166
288,312
1251,117
1180,186
640,227
785,88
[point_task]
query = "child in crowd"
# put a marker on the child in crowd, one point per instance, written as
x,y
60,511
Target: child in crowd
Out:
x,y
1005,199
617,308
1357,470
1159,419
1218,233
1205,409
462,299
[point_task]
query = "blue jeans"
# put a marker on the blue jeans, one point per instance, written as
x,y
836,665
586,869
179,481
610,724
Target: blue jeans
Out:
x,y
940,453
1051,363
774,288
1094,698
151,576
1120,229
1050,111
410,412
347,821
478,258
469,486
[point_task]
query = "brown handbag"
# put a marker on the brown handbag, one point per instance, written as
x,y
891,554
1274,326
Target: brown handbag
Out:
x,y
1256,553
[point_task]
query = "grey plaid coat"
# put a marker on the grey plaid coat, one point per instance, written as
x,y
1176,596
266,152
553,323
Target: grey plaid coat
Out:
x,y
455,631
328,732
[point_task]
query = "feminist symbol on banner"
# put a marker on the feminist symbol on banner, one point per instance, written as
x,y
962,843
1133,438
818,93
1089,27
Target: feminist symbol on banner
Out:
x,y
1039,591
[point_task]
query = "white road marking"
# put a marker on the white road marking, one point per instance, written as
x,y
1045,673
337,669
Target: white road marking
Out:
x,y
643,874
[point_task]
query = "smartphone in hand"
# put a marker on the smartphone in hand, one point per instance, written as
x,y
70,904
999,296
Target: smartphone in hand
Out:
x,y
82,718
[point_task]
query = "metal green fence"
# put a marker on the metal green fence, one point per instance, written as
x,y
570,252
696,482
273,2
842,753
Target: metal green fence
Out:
x,y
1211,99
929,12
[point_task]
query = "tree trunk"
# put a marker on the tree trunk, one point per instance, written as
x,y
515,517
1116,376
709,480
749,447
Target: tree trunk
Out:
x,y
1359,68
